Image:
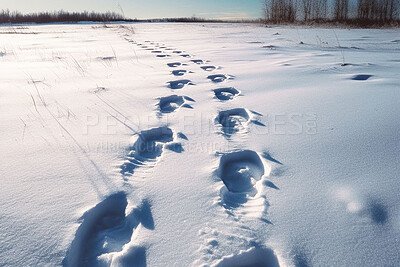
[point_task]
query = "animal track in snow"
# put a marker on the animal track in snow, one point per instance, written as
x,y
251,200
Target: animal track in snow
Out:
x,y
209,68
105,230
147,148
185,55
163,55
179,84
171,103
227,93
218,78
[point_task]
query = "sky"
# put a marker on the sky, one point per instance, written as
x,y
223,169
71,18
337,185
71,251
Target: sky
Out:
x,y
221,9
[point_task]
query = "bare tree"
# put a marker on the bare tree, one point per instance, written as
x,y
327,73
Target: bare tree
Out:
x,y
307,8
319,9
341,10
394,9
387,10
367,10
279,10
383,11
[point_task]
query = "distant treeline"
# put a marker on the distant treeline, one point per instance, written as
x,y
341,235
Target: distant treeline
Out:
x,y
358,12
350,12
7,16
204,20
16,17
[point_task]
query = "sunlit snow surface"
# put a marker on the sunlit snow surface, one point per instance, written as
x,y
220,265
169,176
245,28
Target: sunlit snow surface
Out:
x,y
199,145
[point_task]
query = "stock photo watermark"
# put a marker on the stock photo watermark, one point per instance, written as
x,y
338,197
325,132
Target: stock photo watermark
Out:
x,y
195,124
200,124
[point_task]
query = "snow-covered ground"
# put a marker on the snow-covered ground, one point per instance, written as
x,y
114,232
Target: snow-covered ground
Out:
x,y
199,145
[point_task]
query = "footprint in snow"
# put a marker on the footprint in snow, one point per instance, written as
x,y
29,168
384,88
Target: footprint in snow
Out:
x,y
171,103
199,61
174,64
208,68
104,231
148,147
227,93
179,84
218,78
242,174
235,120
179,72
240,170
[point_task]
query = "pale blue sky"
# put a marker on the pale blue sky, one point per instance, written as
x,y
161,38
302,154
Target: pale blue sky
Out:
x,y
146,8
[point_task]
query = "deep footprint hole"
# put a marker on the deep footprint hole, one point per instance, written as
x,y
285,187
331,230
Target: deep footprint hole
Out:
x,y
179,72
218,78
174,64
150,143
225,94
170,103
238,170
208,68
230,120
179,84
